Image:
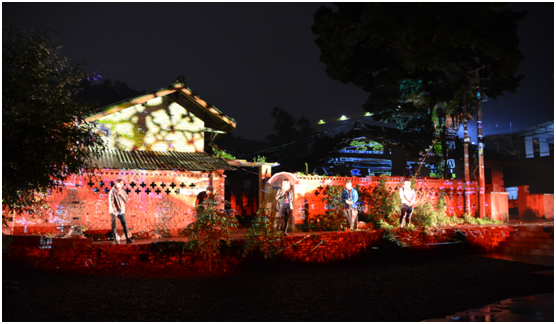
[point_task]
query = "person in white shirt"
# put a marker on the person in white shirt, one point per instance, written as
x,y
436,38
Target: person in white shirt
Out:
x,y
407,195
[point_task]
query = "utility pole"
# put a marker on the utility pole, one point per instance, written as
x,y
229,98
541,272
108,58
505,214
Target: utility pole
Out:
x,y
466,204
480,142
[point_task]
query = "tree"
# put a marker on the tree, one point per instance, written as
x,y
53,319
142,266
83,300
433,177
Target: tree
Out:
x,y
105,93
413,58
299,146
44,135
284,127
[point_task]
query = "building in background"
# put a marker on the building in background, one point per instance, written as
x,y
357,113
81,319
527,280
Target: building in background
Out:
x,y
528,167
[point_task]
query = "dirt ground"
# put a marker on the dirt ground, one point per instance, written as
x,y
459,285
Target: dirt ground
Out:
x,y
384,290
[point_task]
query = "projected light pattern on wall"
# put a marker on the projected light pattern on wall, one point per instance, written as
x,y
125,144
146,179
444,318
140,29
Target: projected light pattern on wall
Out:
x,y
157,125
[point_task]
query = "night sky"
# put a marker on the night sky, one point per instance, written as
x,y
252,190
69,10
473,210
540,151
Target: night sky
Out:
x,y
246,58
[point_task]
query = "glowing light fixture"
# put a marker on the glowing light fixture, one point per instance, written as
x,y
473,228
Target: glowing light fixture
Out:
x,y
343,117
321,122
367,114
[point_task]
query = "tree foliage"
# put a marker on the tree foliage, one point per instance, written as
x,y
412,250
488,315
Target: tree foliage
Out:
x,y
44,134
106,92
288,129
413,58
299,142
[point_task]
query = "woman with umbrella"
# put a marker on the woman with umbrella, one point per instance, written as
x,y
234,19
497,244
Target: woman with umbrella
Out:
x,y
284,199
284,206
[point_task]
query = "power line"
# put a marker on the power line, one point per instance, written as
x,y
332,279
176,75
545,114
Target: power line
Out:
x,y
521,94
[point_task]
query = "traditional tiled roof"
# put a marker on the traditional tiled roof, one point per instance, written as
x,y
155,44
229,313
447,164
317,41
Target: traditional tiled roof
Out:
x,y
149,160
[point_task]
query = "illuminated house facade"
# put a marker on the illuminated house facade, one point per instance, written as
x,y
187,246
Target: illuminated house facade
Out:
x,y
156,144
172,119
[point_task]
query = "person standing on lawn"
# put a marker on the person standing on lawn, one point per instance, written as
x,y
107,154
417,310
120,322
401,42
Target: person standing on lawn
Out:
x,y
407,195
116,207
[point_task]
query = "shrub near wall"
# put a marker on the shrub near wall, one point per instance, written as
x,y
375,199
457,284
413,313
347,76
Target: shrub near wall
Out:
x,y
162,200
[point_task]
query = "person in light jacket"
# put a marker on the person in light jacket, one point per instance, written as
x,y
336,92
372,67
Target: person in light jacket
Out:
x,y
116,205
350,198
284,206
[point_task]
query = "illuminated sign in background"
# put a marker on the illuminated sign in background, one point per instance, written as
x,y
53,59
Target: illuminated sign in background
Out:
x,y
362,145
157,125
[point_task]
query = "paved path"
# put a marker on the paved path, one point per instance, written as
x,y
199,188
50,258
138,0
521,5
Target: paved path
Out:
x,y
536,308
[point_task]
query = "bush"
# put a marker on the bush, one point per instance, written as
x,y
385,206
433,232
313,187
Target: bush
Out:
x,y
427,215
334,218
262,236
211,226
383,204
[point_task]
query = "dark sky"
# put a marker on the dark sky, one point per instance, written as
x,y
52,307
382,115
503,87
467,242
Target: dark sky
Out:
x,y
246,58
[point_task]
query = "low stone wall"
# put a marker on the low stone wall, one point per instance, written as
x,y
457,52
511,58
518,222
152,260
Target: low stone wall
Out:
x,y
82,254
156,200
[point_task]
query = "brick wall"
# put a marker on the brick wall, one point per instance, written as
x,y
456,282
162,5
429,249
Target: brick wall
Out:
x,y
157,199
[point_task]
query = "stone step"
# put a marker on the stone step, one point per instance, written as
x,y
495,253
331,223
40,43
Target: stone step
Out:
x,y
528,245
548,229
531,239
534,234
518,250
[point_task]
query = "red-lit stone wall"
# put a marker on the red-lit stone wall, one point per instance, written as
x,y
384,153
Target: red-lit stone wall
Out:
x,y
542,205
497,177
427,190
497,205
157,200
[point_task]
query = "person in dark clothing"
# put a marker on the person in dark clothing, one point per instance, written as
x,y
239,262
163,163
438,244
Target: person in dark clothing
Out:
x,y
201,197
204,195
284,206
116,207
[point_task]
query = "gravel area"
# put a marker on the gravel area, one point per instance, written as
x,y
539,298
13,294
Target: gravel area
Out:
x,y
389,290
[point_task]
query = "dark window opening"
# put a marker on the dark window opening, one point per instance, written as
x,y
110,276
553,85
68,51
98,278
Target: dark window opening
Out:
x,y
536,147
488,176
